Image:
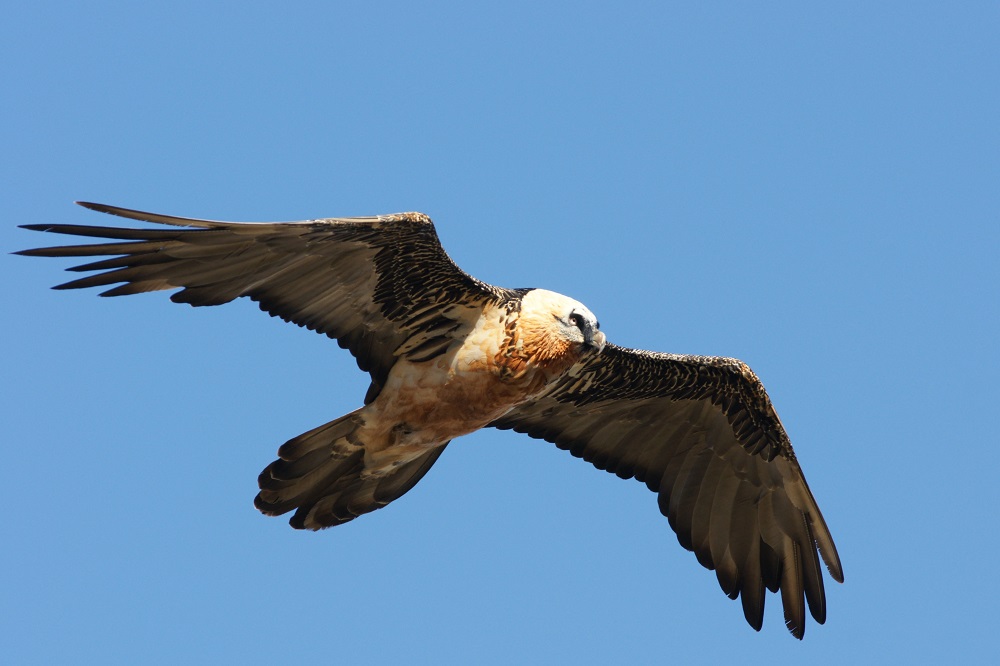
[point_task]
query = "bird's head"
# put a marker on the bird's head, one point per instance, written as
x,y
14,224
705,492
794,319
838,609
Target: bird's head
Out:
x,y
563,319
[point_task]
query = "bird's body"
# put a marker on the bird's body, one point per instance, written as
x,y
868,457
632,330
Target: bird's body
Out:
x,y
449,355
472,384
423,404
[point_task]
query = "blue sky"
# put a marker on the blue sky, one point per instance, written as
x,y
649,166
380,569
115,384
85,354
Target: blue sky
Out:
x,y
812,189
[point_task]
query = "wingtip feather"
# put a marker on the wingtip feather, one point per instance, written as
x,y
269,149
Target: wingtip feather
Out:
x,y
145,216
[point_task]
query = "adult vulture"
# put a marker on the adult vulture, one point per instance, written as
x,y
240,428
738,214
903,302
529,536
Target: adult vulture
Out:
x,y
448,355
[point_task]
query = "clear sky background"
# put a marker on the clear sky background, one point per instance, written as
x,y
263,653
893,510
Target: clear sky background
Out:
x,y
812,189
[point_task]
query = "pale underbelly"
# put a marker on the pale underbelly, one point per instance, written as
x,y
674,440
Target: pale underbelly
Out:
x,y
425,405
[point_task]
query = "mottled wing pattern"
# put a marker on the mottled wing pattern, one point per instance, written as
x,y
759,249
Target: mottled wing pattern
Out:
x,y
381,286
701,432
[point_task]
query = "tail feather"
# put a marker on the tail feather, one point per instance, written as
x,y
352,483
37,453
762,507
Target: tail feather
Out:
x,y
319,437
354,495
322,475
282,474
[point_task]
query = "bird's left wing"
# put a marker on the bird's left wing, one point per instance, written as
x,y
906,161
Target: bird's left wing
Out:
x,y
381,286
701,432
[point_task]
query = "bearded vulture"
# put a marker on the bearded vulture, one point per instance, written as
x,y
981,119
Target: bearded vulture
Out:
x,y
448,355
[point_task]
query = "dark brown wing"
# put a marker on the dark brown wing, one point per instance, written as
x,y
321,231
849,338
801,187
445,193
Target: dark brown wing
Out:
x,y
701,432
382,286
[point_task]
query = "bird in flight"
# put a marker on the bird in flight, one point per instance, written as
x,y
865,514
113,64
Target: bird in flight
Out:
x,y
449,355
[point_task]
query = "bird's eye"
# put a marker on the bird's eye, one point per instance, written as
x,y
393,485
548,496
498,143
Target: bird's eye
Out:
x,y
576,320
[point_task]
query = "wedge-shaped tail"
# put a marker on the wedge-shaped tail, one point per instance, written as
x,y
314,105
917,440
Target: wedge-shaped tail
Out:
x,y
321,474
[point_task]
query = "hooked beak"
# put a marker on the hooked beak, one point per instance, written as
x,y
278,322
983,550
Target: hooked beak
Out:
x,y
594,339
